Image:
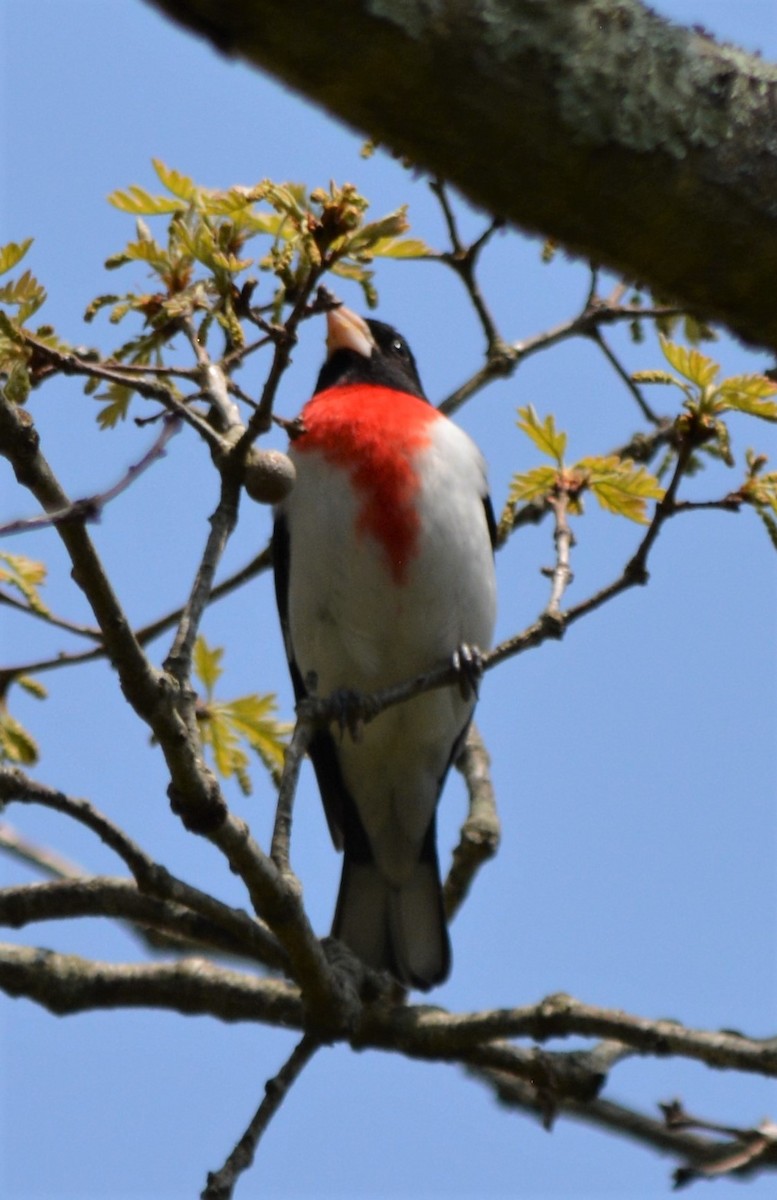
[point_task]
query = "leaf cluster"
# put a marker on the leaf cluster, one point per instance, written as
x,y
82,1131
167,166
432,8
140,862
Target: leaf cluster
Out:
x,y
206,269
227,726
621,486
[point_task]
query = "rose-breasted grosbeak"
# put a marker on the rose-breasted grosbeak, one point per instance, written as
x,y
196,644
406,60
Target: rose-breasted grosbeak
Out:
x,y
383,555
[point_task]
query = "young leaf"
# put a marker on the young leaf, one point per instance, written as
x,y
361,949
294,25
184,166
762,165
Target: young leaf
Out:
x,y
393,247
749,394
691,363
32,686
118,398
656,376
140,202
180,185
543,433
24,575
530,485
13,253
252,718
17,746
17,385
770,525
620,486
207,664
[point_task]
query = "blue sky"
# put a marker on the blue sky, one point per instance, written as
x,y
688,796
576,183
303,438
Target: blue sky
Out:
x,y
634,762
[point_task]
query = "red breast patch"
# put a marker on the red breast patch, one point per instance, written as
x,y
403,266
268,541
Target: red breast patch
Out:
x,y
374,433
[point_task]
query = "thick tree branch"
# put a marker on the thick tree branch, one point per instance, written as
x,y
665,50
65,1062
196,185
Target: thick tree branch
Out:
x,y
103,896
65,983
649,147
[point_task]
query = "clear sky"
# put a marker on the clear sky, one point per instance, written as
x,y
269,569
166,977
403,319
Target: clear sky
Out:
x,y
634,762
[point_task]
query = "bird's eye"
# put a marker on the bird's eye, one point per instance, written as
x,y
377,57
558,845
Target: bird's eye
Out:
x,y
399,347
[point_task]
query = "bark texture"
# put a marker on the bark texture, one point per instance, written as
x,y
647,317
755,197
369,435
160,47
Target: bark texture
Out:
x,y
647,147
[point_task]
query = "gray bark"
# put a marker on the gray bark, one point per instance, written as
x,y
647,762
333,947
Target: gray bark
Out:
x,y
646,147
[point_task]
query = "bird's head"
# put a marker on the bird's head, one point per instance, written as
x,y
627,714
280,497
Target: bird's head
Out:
x,y
367,351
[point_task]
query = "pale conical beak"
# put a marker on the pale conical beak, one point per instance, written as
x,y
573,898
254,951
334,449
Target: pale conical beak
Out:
x,y
345,330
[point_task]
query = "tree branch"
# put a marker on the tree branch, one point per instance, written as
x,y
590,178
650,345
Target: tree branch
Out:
x,y
221,1183
649,171
89,508
66,983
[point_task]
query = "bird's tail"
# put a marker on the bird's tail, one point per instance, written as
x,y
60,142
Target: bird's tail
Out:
x,y
397,929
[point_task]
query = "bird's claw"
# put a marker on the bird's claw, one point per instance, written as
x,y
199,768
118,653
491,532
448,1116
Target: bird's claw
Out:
x,y
348,711
467,662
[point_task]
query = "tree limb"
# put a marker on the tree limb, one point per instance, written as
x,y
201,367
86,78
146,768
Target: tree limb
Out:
x,y
649,147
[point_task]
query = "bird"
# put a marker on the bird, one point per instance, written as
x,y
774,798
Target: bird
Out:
x,y
384,569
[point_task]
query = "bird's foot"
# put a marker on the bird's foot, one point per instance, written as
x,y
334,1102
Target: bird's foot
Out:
x,y
467,662
348,711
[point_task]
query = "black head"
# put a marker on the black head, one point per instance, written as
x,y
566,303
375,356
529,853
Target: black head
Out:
x,y
367,352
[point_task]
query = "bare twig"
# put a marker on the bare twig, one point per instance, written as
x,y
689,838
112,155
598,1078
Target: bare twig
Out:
x,y
561,573
90,508
462,260
146,633
598,339
150,876
480,833
581,325
70,363
222,523
221,1183
293,757
86,631
33,855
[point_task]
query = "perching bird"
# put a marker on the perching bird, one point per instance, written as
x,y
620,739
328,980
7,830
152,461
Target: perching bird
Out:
x,y
383,556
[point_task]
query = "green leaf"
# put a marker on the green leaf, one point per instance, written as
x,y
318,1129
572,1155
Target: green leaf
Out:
x,y
17,386
32,686
17,746
207,664
26,293
543,433
392,247
531,485
770,525
656,376
12,253
252,717
140,202
118,396
24,575
690,362
385,229
144,250
761,490
620,486
226,727
748,394
180,185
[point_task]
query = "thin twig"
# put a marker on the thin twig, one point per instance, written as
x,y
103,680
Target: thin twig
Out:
x,y
41,857
150,876
480,833
146,633
581,325
70,363
598,339
221,1183
90,508
86,631
463,261
222,524
561,573
294,755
